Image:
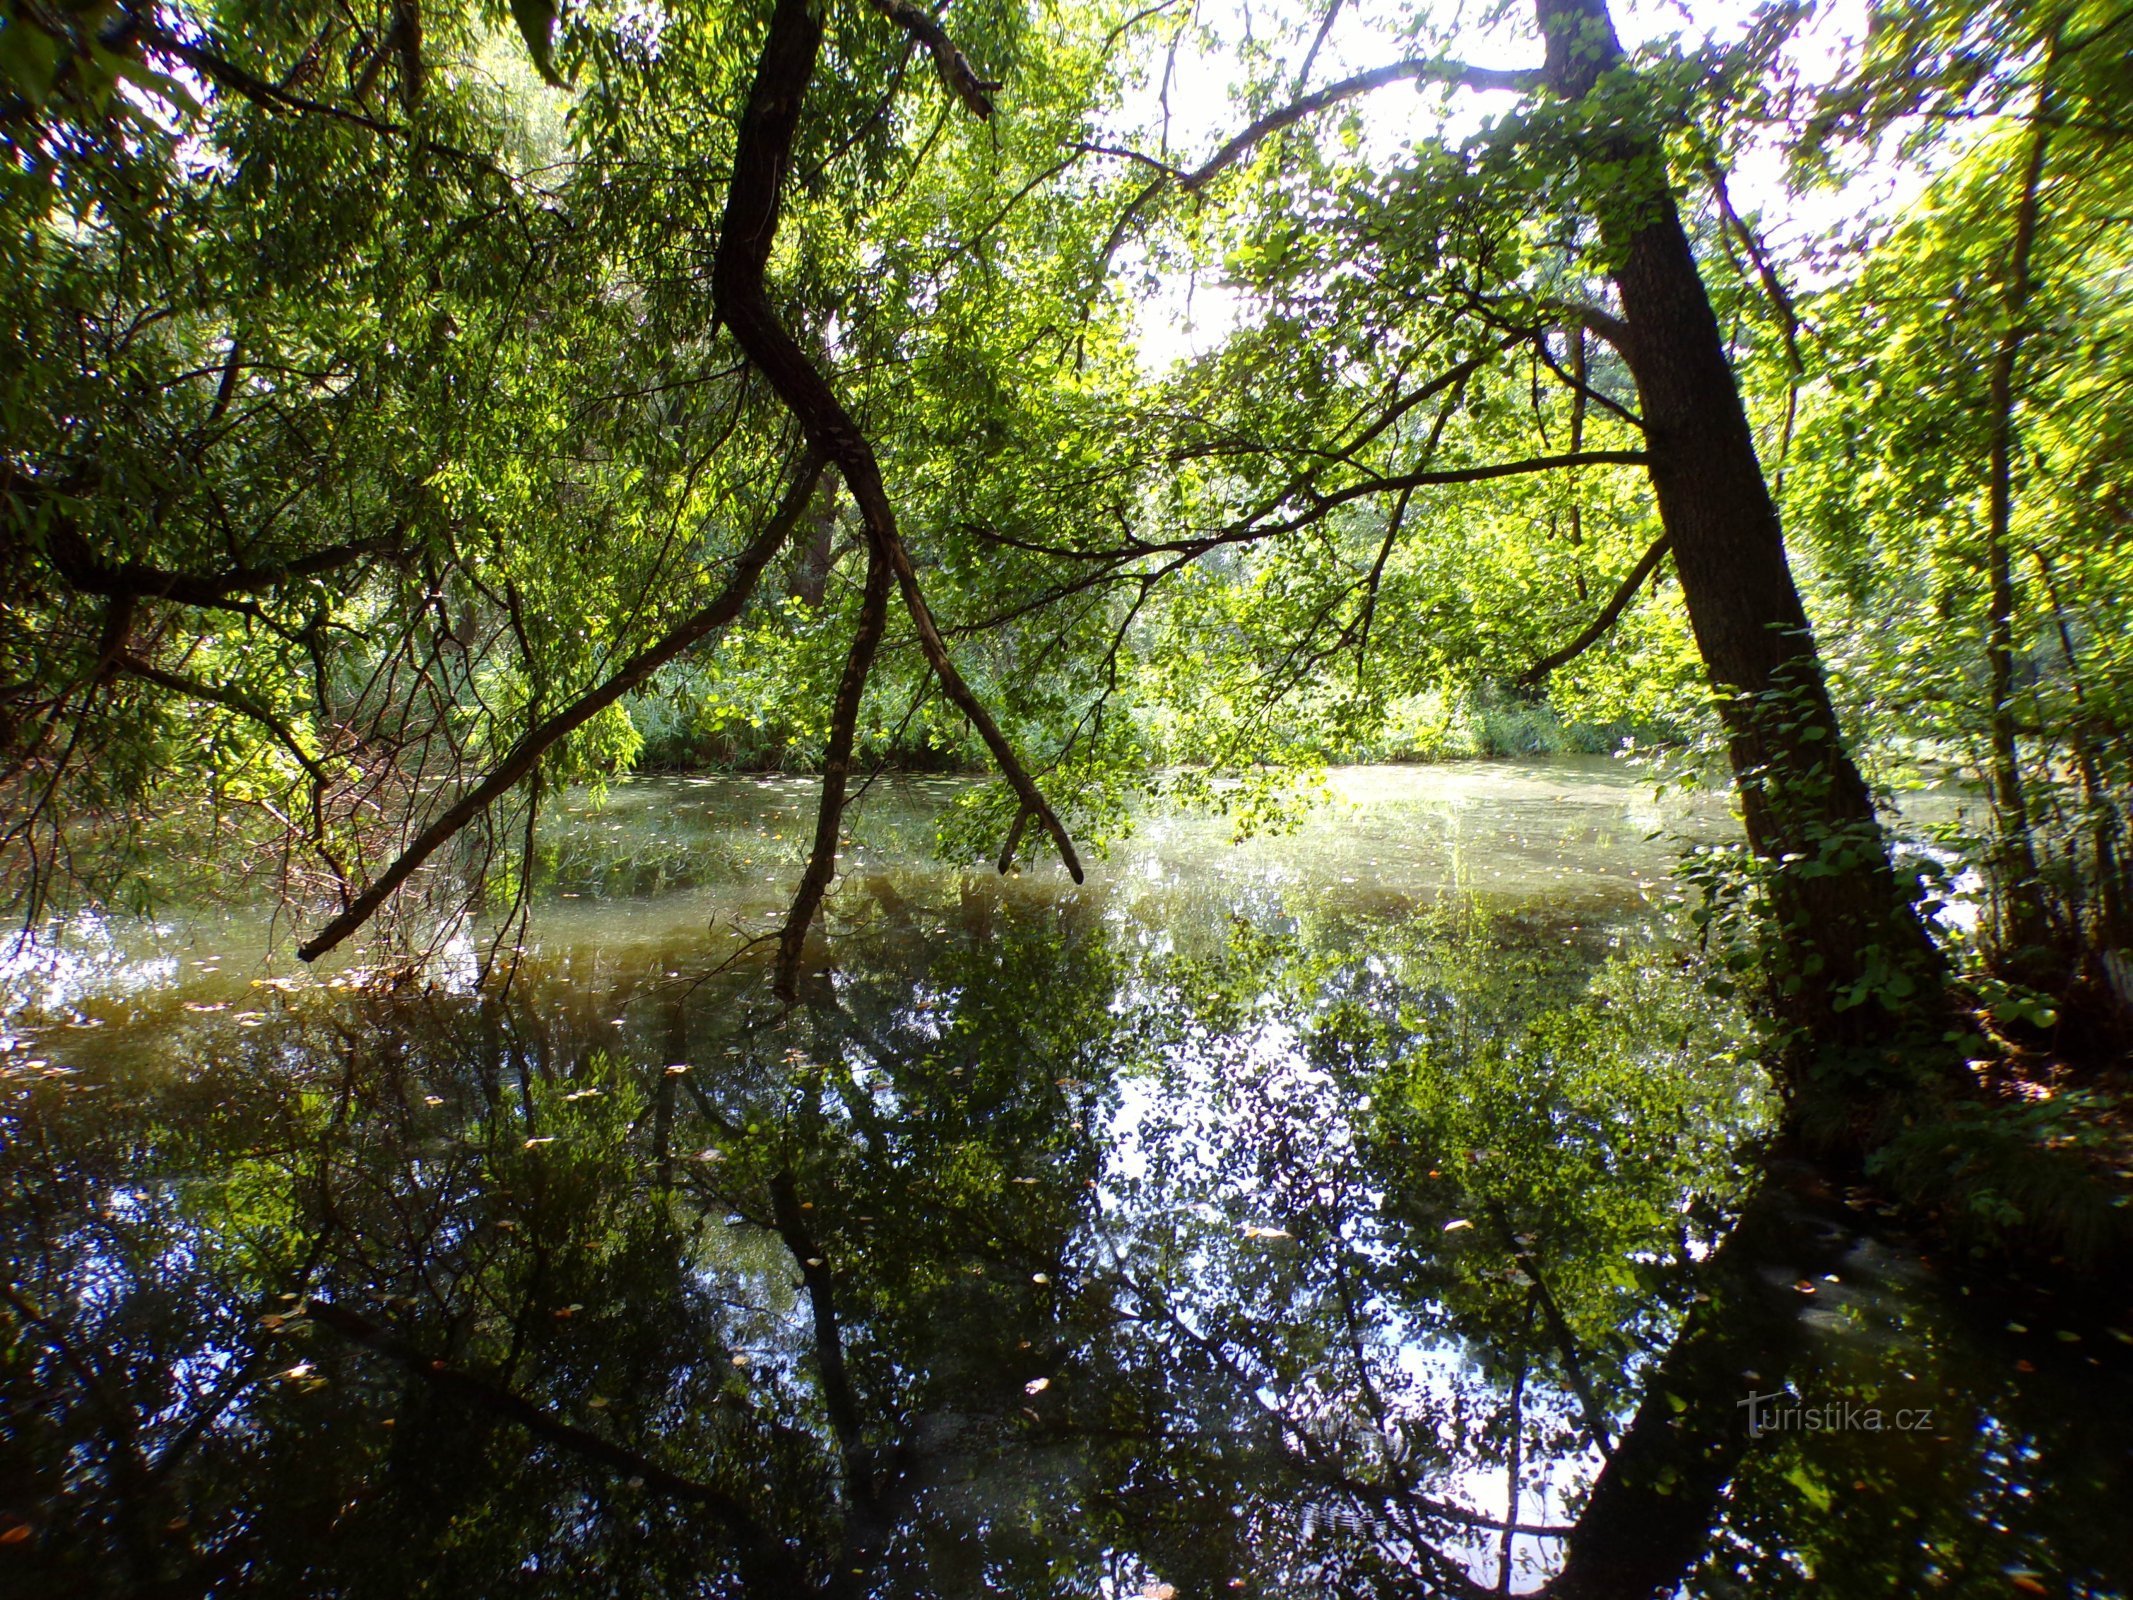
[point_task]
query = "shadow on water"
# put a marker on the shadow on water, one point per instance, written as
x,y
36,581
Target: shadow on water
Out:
x,y
1213,1235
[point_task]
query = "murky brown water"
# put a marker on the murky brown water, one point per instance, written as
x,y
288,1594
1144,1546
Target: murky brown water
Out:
x,y
1370,1209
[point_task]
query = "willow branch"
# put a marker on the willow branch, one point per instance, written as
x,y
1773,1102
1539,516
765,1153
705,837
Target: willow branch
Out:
x,y
525,755
77,562
229,699
762,154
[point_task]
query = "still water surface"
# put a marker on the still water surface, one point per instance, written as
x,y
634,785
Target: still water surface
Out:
x,y
1367,1210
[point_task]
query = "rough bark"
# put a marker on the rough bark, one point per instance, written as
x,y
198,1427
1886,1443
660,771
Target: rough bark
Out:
x,y
2018,927
1848,919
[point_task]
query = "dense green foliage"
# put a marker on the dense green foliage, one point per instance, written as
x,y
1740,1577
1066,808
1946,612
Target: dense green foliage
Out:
x,y
370,403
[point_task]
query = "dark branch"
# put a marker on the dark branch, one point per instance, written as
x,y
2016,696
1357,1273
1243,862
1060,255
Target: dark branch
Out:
x,y
1597,628
1318,43
836,770
758,1545
957,74
229,699
85,570
525,755
762,154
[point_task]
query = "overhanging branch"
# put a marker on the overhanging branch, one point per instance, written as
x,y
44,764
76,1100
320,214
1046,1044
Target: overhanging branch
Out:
x,y
1454,73
956,72
525,755
1597,628
762,154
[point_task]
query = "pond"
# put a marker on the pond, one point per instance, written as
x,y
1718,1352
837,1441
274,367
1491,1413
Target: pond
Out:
x,y
1384,1207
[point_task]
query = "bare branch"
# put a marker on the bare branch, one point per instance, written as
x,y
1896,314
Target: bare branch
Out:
x,y
1455,73
1597,628
957,74
1594,320
1179,174
1318,42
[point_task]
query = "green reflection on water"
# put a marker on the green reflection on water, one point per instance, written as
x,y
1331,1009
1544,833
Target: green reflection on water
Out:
x,y
1226,1225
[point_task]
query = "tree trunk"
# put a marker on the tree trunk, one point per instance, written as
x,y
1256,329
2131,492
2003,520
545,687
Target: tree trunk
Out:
x,y
1849,930
2018,925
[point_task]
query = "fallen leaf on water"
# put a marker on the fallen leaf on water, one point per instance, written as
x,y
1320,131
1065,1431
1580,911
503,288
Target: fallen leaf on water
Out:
x,y
710,1155
1157,1591
303,1369
1456,1224
2029,1585
15,1533
1804,1287
1252,1230
1040,1277
207,1005
2025,1366
740,1358
547,1139
1036,1385
814,1261
433,1099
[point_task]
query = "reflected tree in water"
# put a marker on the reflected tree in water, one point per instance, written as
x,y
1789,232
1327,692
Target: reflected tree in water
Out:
x,y
1019,1258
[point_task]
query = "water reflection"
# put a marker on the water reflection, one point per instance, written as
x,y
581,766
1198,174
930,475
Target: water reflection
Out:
x,y
1057,1245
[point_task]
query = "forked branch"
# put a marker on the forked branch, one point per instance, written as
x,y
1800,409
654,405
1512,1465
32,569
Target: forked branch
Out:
x,y
762,154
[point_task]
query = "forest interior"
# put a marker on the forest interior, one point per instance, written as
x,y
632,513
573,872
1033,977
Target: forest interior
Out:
x,y
1113,797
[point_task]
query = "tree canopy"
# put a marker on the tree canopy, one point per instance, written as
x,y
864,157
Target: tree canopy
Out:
x,y
412,408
